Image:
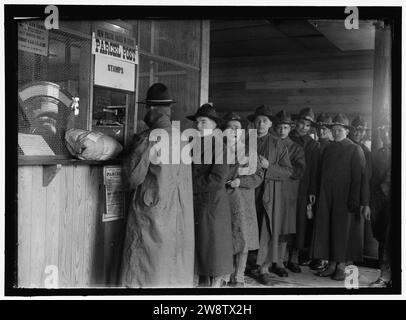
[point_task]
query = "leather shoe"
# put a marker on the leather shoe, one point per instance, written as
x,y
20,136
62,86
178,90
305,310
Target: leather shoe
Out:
x,y
317,265
266,279
339,275
294,267
380,283
281,272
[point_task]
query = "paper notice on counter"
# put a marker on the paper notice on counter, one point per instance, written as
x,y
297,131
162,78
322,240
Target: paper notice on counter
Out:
x,y
34,145
114,208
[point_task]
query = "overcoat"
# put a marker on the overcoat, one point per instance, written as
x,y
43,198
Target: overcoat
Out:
x,y
307,186
248,183
380,203
214,245
159,241
271,201
291,186
337,230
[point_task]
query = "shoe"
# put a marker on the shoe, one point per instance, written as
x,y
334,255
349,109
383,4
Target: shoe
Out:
x,y
265,279
281,272
294,267
327,272
339,275
238,284
318,265
380,283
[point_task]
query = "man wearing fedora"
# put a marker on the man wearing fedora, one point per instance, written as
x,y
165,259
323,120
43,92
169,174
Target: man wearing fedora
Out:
x,y
274,159
307,189
214,244
381,209
242,181
283,124
159,241
338,231
323,132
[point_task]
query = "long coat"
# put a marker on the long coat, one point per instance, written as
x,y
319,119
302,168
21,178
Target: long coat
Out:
x,y
248,183
380,203
214,246
337,230
307,186
291,186
159,240
273,217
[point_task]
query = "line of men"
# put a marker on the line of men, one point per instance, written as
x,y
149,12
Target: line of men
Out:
x,y
304,200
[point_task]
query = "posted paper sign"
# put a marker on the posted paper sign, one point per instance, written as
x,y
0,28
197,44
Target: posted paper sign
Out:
x,y
33,37
113,73
114,193
34,145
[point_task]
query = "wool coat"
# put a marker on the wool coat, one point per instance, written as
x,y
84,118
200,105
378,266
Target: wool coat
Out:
x,y
214,245
271,197
307,186
159,241
338,222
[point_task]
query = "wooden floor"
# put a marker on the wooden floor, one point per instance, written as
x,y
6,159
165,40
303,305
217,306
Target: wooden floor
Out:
x,y
307,278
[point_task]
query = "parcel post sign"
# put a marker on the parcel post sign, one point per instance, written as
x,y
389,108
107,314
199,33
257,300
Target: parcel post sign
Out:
x,y
114,45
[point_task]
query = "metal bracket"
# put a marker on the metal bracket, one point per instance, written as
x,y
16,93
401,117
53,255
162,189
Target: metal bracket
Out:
x,y
49,172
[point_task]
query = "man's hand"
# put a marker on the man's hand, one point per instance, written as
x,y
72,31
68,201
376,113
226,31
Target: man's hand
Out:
x,y
263,162
234,183
385,189
312,199
366,212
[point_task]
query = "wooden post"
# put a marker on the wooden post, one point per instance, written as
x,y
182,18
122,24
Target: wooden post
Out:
x,y
204,62
381,102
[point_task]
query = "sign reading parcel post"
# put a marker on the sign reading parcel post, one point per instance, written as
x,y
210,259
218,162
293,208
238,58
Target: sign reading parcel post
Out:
x,y
114,192
115,58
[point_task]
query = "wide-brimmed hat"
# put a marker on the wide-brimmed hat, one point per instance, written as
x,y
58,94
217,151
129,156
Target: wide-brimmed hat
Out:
x,y
232,116
157,95
261,111
282,117
323,119
305,114
342,120
206,110
359,123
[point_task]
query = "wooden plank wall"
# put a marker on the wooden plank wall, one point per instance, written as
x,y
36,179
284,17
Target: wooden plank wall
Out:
x,y
328,82
61,225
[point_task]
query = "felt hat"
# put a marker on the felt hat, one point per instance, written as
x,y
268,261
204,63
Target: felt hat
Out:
x,y
261,111
282,117
206,110
158,95
305,114
359,123
342,120
323,119
232,116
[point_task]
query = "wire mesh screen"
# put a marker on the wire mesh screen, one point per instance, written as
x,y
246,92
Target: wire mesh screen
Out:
x,y
43,111
178,43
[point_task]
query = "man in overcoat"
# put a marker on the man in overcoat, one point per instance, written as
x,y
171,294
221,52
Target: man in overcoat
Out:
x,y
283,124
307,187
381,205
214,243
274,159
338,234
159,240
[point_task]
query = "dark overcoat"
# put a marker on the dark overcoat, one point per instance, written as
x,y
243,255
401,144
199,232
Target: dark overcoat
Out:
x,y
214,246
338,222
380,203
291,186
307,186
273,217
159,241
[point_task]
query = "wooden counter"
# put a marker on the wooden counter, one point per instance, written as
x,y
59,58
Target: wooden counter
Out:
x,y
61,225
